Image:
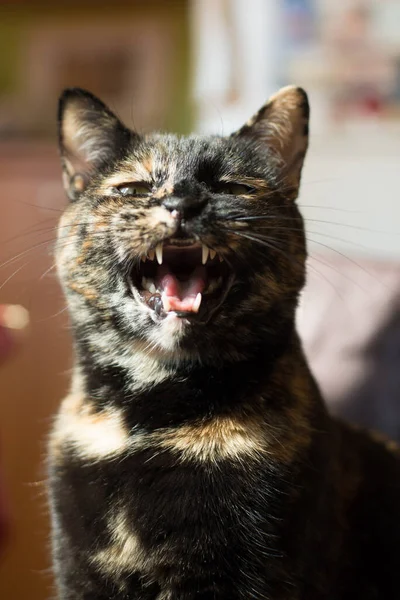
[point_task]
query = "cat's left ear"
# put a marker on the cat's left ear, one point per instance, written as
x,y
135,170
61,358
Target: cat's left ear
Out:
x,y
282,125
90,137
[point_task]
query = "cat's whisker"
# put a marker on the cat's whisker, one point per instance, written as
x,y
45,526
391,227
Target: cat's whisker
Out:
x,y
10,277
28,232
274,244
340,271
331,249
53,316
55,228
69,238
283,229
47,271
24,252
279,217
40,206
268,243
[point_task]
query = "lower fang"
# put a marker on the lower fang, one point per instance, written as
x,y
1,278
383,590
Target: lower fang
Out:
x,y
165,302
196,303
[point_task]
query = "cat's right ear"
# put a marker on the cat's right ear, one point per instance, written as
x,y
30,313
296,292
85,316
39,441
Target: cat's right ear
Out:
x,y
281,125
90,138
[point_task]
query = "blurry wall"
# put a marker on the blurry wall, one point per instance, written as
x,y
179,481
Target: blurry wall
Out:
x,y
132,54
347,56
135,56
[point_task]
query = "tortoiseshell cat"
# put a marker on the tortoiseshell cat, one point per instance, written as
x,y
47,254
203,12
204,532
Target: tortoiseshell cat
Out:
x,y
194,457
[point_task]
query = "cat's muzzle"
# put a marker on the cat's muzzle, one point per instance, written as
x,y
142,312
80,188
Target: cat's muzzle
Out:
x,y
184,277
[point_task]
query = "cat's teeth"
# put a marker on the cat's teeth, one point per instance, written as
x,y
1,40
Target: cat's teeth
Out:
x,y
147,284
196,303
220,258
143,258
165,301
212,253
213,285
159,253
151,254
204,255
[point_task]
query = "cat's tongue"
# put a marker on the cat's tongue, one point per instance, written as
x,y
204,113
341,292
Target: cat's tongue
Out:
x,y
178,295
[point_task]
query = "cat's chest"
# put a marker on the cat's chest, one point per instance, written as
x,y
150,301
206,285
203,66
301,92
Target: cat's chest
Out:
x,y
167,498
174,520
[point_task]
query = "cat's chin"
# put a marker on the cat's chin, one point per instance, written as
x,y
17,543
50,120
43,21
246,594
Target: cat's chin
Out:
x,y
181,279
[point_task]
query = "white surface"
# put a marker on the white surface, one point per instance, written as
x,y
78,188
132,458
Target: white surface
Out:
x,y
354,170
353,180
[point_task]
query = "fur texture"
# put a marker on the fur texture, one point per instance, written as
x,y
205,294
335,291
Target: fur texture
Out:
x,y
194,457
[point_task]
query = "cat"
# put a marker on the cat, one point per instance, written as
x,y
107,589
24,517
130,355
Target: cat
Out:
x,y
194,457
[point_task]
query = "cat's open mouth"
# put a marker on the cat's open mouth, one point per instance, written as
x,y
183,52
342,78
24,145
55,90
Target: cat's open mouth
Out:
x,y
182,277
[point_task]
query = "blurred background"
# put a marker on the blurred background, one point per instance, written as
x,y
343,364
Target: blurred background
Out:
x,y
203,65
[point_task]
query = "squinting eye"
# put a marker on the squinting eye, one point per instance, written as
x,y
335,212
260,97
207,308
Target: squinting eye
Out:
x,y
235,189
134,189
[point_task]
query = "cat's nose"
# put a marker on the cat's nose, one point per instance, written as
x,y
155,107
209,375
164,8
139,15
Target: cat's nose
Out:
x,y
186,207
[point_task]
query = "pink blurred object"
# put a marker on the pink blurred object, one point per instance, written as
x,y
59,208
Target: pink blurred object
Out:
x,y
349,321
12,320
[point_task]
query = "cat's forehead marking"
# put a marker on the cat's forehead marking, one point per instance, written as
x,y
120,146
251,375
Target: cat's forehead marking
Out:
x,y
148,163
155,167
165,190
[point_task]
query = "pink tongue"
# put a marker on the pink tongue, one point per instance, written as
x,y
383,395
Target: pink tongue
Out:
x,y
181,295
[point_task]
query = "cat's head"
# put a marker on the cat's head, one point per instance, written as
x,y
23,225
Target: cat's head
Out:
x,y
186,246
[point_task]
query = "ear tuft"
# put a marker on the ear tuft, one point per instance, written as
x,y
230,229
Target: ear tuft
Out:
x,y
90,137
282,125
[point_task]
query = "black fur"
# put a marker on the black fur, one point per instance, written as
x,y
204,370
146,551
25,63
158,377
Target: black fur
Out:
x,y
194,457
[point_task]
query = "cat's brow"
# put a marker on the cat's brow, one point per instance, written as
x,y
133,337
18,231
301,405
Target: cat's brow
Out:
x,y
137,173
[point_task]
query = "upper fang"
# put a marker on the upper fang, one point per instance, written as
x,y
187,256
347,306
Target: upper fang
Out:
x,y
151,254
204,254
159,253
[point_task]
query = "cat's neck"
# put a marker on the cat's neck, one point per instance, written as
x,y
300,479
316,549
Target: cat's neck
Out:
x,y
169,393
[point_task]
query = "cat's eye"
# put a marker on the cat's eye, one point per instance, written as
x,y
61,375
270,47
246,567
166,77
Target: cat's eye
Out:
x,y
234,189
133,189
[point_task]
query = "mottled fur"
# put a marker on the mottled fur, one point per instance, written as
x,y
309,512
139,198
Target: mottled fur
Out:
x,y
194,458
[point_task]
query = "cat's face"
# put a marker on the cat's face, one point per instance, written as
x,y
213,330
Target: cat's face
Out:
x,y
183,245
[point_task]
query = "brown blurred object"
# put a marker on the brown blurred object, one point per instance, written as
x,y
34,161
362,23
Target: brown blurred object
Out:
x,y
34,380
134,55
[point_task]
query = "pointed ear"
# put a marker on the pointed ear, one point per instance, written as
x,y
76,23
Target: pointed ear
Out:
x,y
90,137
282,125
